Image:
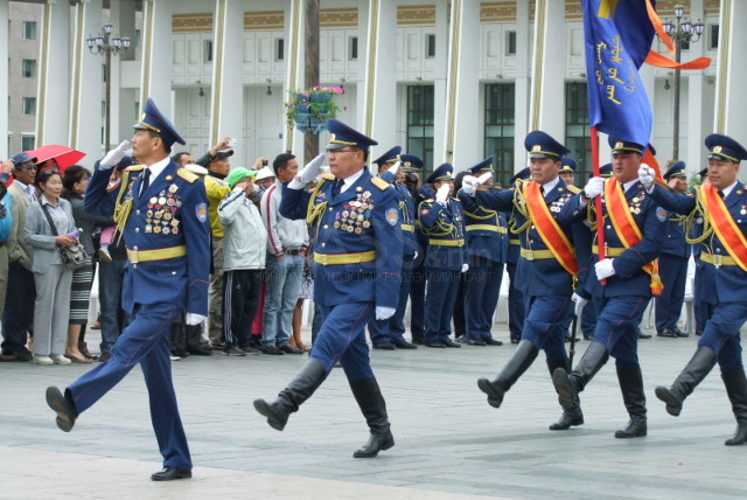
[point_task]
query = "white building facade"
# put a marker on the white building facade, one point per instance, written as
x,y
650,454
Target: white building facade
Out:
x,y
449,81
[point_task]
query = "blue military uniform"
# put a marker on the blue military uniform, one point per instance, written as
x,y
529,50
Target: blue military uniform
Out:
x,y
546,284
704,300
720,341
516,304
486,242
357,270
443,224
622,300
166,231
389,333
569,168
419,273
675,255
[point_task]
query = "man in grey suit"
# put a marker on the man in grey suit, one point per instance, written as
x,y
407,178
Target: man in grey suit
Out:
x,y
19,305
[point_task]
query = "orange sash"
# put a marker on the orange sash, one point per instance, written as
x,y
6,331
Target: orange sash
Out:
x,y
723,224
627,229
549,230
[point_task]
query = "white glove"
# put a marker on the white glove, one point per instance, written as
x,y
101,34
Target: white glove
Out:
x,y
193,319
647,175
484,177
594,187
579,302
115,155
308,173
393,169
469,184
443,193
604,269
383,313
465,268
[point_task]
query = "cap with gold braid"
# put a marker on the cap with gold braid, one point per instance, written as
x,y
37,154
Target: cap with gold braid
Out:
x,y
569,165
540,145
620,146
410,163
723,147
482,166
341,135
389,157
153,120
444,172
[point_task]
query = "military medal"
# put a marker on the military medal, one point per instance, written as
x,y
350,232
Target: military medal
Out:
x,y
148,228
166,230
173,188
157,229
153,200
162,200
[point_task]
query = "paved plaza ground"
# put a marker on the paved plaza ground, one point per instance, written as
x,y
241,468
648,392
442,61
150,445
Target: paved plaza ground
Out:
x,y
449,442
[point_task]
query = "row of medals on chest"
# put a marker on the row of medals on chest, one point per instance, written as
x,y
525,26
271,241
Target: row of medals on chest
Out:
x,y
160,217
355,214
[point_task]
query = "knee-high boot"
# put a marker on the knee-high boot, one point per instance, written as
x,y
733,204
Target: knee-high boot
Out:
x,y
694,372
372,405
522,359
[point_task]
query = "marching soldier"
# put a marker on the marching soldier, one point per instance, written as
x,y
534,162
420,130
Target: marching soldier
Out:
x,y
162,212
393,168
357,273
722,202
485,252
624,281
441,220
548,267
516,310
673,263
704,300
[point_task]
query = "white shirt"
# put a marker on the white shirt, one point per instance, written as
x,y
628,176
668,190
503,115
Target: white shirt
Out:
x,y
629,184
349,181
156,169
727,191
549,186
28,189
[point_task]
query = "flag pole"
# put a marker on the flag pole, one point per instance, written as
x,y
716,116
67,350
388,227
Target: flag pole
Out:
x,y
598,200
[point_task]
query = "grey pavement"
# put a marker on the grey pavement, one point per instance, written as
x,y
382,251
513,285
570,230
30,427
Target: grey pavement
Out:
x,y
449,442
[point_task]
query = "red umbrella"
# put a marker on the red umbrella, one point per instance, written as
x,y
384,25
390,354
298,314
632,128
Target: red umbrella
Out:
x,y
64,156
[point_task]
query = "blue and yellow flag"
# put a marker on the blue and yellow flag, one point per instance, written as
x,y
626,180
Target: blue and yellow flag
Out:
x,y
618,36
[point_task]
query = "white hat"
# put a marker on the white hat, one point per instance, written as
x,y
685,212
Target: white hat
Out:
x,y
264,173
196,169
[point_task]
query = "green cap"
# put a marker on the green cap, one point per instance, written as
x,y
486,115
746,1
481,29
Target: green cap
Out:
x,y
237,174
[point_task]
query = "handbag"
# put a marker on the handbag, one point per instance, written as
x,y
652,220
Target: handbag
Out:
x,y
74,256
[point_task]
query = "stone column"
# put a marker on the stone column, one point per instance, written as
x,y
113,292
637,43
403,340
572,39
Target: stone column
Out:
x,y
521,88
731,99
53,102
547,104
156,42
4,111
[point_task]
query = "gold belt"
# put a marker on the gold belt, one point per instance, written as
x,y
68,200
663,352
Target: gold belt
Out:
x,y
514,241
717,260
536,254
334,259
137,256
487,227
446,243
610,252
408,227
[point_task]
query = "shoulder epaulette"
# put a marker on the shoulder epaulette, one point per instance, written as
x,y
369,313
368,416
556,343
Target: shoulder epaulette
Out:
x,y
135,168
187,175
573,189
380,183
328,176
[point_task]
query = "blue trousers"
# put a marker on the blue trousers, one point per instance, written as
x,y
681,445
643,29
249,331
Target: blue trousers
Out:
x,y
704,301
516,304
546,324
722,334
483,284
617,327
668,305
439,303
417,301
393,329
589,317
144,341
342,337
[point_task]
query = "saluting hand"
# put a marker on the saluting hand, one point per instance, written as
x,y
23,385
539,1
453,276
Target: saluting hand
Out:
x,y
115,155
469,184
443,193
647,175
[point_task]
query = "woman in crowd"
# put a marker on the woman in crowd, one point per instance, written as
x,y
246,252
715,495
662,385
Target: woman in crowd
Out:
x,y
51,275
74,182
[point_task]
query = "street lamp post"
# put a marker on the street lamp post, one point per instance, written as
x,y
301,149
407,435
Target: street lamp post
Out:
x,y
104,43
681,32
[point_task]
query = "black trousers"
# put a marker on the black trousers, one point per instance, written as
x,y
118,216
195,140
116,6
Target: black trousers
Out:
x,y
18,318
241,291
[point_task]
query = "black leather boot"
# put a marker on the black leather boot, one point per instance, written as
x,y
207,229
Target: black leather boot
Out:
x,y
178,340
694,372
193,335
299,390
571,416
568,385
522,359
631,384
736,388
372,405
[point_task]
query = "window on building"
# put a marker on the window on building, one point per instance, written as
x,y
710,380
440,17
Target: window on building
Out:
x,y
577,129
29,30
29,68
420,123
713,35
353,48
510,43
430,45
28,105
28,142
208,51
279,49
499,128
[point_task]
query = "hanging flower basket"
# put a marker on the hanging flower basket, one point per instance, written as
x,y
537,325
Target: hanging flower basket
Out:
x,y
309,110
